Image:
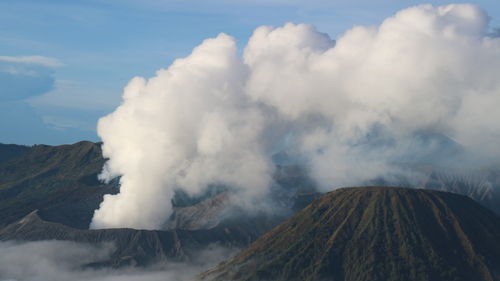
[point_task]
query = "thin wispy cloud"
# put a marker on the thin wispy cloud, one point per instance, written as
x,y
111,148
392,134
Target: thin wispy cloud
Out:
x,y
38,60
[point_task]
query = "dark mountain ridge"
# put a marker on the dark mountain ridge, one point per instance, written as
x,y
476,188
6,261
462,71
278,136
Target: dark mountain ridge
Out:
x,y
376,233
60,182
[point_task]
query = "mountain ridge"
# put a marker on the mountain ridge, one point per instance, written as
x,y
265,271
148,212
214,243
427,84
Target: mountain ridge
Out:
x,y
132,247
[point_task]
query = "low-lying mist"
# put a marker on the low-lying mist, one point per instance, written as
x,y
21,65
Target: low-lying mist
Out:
x,y
421,87
63,261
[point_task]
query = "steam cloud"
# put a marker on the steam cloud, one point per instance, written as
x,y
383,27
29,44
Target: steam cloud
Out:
x,y
351,109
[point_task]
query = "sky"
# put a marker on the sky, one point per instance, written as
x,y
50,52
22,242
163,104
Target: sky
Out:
x,y
63,64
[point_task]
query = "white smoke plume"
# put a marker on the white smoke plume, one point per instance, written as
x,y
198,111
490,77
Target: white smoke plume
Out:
x,y
351,109
185,128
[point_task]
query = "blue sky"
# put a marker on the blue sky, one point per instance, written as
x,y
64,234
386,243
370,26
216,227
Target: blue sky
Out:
x,y
63,64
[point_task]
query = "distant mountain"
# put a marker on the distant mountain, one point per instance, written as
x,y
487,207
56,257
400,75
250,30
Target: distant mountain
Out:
x,y
376,234
60,181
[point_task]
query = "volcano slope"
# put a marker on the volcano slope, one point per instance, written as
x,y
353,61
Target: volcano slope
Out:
x,y
376,233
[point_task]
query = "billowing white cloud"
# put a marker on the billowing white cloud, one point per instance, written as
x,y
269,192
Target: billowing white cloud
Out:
x,y
352,109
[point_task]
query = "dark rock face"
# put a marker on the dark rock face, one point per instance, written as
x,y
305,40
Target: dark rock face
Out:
x,y
376,233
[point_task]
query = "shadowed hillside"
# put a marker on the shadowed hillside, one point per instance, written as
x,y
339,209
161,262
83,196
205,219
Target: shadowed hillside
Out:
x,y
60,181
8,151
376,233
